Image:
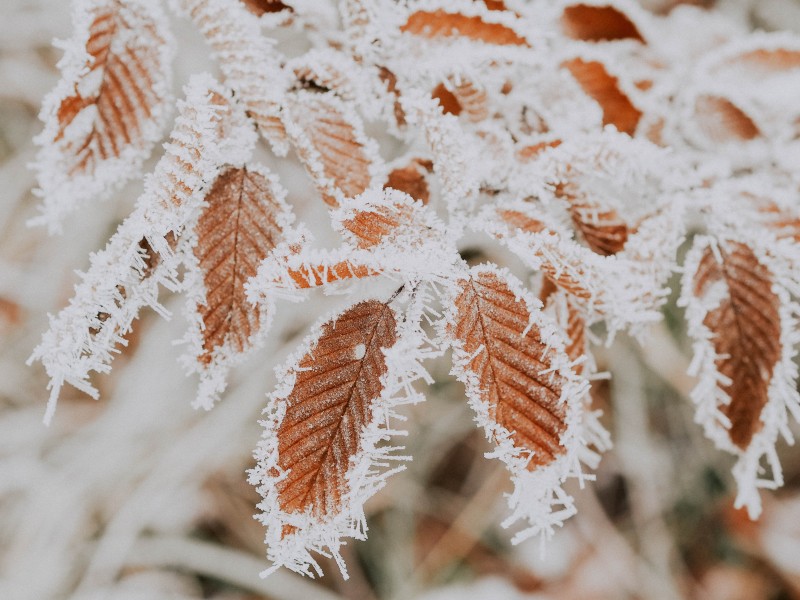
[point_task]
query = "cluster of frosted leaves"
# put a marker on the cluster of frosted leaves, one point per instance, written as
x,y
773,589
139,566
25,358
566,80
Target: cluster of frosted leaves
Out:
x,y
568,132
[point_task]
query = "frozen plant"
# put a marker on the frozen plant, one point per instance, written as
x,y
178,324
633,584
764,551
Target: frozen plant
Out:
x,y
589,139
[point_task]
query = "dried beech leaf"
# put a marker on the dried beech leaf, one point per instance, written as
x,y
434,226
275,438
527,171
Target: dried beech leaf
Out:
x,y
722,121
236,231
330,404
332,145
248,60
442,24
411,179
603,230
509,363
389,216
765,61
604,89
526,396
593,23
560,276
110,107
746,333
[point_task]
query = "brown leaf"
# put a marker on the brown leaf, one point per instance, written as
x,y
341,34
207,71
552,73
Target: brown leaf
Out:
x,y
509,360
131,88
442,24
747,332
722,121
333,150
236,231
593,23
604,89
603,230
261,7
411,179
371,224
337,382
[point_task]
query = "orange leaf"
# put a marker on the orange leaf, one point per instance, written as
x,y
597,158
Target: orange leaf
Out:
x,y
442,24
604,89
509,360
237,230
746,330
598,23
331,402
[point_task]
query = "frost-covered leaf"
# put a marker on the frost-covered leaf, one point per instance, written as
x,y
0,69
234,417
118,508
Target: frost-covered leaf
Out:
x,y
600,85
526,397
125,276
248,61
322,454
741,319
602,228
110,107
236,231
243,219
330,140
